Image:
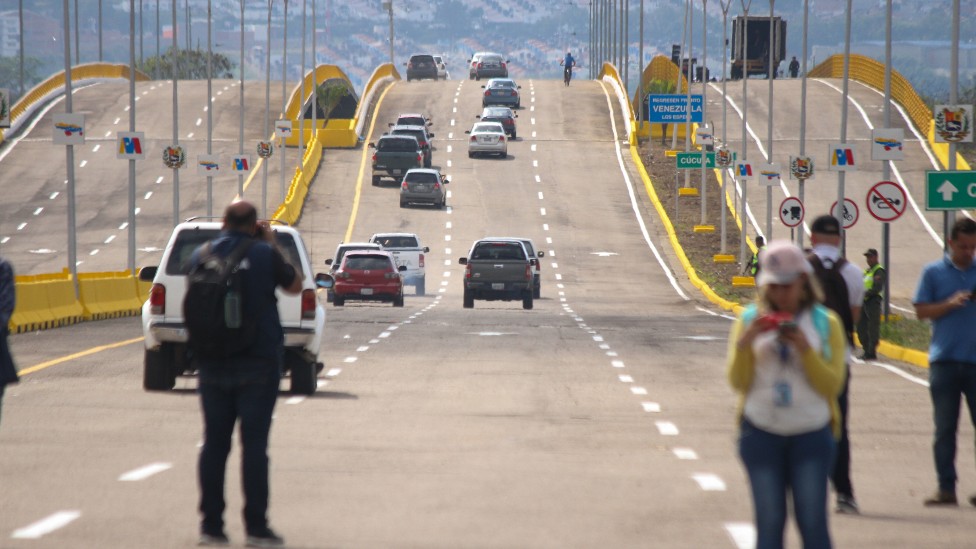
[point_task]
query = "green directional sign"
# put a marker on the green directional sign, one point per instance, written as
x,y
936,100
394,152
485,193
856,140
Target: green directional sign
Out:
x,y
692,160
950,190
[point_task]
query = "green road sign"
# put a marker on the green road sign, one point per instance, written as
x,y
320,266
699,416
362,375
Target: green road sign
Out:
x,y
692,160
950,190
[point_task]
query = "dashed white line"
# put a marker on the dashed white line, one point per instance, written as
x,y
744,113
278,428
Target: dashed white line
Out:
x,y
110,238
743,534
38,211
385,335
538,179
533,147
295,400
93,252
83,164
709,482
533,134
450,148
540,196
350,359
96,147
148,195
447,262
535,163
333,372
545,226
199,121
685,453
625,379
362,348
108,134
143,473
651,407
46,525
638,390
597,338
542,211
666,428
117,120
54,195
21,226
616,363
555,265
447,237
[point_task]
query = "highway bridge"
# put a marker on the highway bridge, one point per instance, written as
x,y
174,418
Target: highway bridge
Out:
x,y
602,418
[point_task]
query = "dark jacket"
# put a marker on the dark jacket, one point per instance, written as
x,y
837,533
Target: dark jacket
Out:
x,y
8,297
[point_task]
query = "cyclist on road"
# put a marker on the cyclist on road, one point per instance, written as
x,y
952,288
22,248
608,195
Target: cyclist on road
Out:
x,y
568,62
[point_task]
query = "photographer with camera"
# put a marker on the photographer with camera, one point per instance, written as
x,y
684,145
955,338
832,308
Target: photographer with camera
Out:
x,y
787,361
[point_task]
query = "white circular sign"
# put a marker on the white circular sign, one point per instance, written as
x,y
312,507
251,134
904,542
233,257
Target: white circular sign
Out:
x,y
791,211
849,214
886,201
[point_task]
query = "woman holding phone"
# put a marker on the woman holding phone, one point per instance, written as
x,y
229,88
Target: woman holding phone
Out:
x,y
786,361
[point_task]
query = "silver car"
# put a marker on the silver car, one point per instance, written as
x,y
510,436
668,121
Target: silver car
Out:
x,y
487,138
424,186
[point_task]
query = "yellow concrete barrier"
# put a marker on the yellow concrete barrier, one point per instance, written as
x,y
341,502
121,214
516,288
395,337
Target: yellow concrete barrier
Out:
x,y
108,295
31,311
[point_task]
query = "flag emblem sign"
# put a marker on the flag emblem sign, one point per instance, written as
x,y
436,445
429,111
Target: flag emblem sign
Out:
x,y
953,123
801,167
842,157
241,164
130,146
744,169
769,174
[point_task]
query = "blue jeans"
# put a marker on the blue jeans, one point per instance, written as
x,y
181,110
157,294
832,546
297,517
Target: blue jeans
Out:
x,y
225,398
797,463
948,382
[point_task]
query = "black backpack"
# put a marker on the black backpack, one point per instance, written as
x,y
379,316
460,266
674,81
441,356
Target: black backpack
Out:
x,y
836,296
213,307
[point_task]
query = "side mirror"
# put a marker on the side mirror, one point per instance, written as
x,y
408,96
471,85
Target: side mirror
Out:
x,y
541,254
482,87
447,179
463,261
426,249
147,274
372,145
533,261
323,280
467,131
328,261
391,124
477,116
402,268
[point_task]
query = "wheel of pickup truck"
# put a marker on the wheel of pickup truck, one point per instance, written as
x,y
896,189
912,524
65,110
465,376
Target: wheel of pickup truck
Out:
x,y
303,374
527,299
376,180
470,154
398,301
468,299
421,287
514,135
159,373
403,203
338,301
537,292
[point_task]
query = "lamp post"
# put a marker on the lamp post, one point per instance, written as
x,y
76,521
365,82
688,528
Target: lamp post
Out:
x,y
267,114
803,110
704,106
240,131
771,75
176,122
209,102
70,155
284,100
744,216
388,6
725,4
131,215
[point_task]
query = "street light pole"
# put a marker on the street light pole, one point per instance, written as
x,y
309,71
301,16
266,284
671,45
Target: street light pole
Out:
x,y
771,75
209,102
240,131
725,4
176,121
284,101
131,214
389,7
744,214
70,155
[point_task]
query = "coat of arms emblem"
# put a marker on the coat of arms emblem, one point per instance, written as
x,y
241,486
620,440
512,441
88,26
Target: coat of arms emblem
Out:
x,y
801,167
953,123
174,157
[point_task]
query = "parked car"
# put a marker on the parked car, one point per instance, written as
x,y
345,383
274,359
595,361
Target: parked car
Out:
x,y
421,66
487,138
164,327
368,276
412,119
473,63
501,91
441,67
424,186
394,156
491,66
503,115
341,250
423,136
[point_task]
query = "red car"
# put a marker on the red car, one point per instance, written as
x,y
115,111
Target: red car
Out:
x,y
368,276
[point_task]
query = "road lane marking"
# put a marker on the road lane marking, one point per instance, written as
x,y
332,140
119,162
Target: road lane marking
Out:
x,y
666,428
540,196
545,226
333,372
542,211
638,390
625,379
350,359
91,351
109,239
46,525
362,348
533,134
38,211
709,482
651,407
54,195
450,148
295,400
685,453
617,363
95,148
535,163
148,196
555,265
143,473
743,534
538,179
384,335
83,164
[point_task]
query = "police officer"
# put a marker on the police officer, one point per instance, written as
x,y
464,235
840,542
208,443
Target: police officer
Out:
x,y
869,323
752,268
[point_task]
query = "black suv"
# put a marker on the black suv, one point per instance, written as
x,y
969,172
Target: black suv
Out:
x,y
423,137
421,66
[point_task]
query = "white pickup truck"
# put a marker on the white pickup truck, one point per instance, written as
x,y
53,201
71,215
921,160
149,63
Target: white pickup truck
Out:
x,y
408,252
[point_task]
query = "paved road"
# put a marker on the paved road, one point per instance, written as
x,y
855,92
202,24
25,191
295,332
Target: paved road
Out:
x,y
601,418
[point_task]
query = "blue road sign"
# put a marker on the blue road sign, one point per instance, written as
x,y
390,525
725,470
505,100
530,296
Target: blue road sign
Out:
x,y
672,108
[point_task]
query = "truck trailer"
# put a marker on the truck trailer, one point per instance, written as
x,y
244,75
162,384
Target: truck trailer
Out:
x,y
758,43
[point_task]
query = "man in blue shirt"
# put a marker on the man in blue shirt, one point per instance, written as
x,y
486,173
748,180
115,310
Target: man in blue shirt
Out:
x,y
945,296
568,63
244,388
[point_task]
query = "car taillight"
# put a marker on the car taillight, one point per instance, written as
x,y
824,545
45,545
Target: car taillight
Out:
x,y
157,299
501,138
420,158
503,65
437,186
409,65
374,158
308,304
481,65
467,272
509,121
421,261
528,271
487,93
404,186
473,138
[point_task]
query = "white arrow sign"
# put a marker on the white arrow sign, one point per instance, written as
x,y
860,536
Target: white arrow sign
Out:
x,y
947,190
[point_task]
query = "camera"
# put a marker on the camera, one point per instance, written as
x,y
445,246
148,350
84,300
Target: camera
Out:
x,y
787,326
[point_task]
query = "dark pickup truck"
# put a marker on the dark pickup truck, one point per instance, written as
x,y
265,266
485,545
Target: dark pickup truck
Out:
x,y
498,270
395,154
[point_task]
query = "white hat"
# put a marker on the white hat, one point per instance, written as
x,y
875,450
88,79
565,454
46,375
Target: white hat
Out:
x,y
781,263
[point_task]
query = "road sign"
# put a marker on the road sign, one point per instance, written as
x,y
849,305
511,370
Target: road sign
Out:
x,y
886,144
672,108
692,160
953,123
791,211
282,128
131,145
849,215
886,201
208,165
801,168
69,129
769,175
842,157
743,170
946,190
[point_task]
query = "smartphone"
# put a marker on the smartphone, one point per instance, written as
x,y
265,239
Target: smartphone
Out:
x,y
787,326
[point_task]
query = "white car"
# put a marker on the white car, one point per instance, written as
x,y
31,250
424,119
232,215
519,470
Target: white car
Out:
x,y
408,252
164,330
487,138
441,67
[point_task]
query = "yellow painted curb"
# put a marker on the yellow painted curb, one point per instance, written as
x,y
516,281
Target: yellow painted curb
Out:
x,y
687,191
723,258
704,228
743,282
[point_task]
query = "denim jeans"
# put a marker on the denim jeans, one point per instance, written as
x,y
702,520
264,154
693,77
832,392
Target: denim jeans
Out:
x,y
777,464
225,398
948,382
